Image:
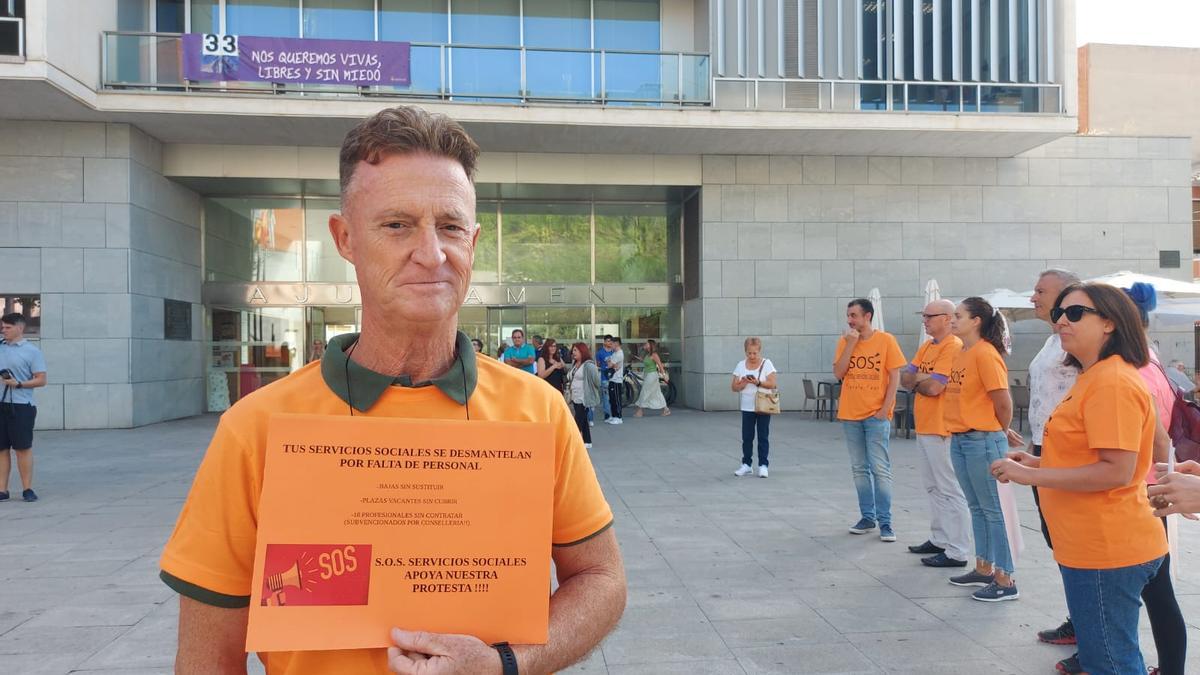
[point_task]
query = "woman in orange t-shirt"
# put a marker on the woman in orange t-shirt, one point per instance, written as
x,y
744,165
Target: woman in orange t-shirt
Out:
x,y
977,411
1098,447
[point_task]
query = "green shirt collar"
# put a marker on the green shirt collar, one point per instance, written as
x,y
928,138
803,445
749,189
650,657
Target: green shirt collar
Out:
x,y
345,377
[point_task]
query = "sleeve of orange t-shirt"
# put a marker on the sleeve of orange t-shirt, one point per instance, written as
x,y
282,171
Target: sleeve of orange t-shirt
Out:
x,y
841,347
1114,415
580,509
213,543
895,357
992,371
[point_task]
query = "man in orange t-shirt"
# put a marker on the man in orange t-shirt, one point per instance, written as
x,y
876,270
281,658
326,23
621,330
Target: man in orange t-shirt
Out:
x,y
408,225
868,363
950,521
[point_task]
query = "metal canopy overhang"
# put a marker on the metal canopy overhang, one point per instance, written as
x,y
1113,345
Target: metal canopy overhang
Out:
x,y
278,120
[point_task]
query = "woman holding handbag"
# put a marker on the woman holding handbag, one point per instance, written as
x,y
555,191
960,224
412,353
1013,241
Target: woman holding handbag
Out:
x,y
752,378
652,371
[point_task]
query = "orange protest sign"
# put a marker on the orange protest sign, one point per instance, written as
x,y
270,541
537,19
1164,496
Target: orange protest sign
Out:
x,y
366,524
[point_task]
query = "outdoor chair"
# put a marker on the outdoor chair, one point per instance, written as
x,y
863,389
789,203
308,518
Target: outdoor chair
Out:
x,y
810,394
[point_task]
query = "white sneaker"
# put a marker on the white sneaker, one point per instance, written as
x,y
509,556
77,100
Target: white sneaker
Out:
x,y
615,420
762,471
743,470
591,423
588,446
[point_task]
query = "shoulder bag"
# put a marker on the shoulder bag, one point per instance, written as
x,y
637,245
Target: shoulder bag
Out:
x,y
1184,427
766,401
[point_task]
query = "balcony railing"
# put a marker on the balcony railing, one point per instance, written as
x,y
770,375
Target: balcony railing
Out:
x,y
153,61
12,37
886,95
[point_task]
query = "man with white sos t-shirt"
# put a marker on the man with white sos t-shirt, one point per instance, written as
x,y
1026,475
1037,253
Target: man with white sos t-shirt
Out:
x,y
751,373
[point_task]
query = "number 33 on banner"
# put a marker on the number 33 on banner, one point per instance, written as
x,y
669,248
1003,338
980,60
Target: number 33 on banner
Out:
x,y
219,45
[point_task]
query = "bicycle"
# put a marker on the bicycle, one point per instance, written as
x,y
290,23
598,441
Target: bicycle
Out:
x,y
633,388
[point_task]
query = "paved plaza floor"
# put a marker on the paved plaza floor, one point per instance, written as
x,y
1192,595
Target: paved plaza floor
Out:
x,y
726,575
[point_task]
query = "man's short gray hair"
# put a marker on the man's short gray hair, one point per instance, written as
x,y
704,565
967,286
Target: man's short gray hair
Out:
x,y
1065,276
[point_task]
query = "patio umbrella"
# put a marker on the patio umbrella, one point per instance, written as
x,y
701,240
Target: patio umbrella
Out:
x,y
1016,306
877,302
932,292
1178,301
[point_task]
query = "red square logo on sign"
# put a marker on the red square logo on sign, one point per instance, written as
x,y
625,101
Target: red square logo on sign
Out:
x,y
316,574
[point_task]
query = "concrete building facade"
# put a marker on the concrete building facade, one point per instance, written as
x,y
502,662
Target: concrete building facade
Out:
x,y
709,169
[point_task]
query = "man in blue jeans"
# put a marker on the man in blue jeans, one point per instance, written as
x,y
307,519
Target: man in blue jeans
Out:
x,y
868,363
602,356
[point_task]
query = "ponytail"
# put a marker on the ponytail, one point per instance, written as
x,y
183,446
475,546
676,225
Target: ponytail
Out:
x,y
993,328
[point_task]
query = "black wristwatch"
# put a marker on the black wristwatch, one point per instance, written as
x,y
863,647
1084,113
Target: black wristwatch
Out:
x,y
508,660
19,385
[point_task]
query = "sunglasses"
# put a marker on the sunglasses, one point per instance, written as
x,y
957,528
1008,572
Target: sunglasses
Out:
x,y
933,316
1074,313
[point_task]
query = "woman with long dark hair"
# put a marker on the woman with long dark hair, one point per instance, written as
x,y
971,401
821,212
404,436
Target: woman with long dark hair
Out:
x,y
550,366
583,388
1097,449
978,410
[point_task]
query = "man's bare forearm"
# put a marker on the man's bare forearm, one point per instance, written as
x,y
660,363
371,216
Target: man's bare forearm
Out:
x,y
584,609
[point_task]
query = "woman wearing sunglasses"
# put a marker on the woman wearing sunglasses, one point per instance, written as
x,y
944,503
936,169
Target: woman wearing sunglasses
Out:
x,y
978,410
1097,449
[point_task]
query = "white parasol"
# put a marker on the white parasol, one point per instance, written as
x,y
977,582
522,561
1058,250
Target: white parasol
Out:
x,y
932,292
877,302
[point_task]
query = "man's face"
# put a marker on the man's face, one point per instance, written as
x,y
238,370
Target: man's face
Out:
x,y
1044,295
408,226
856,319
518,339
936,317
608,344
12,332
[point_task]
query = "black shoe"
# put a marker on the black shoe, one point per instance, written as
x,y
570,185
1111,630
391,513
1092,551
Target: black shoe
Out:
x,y
942,560
973,578
29,495
926,549
1069,665
3,496
1063,635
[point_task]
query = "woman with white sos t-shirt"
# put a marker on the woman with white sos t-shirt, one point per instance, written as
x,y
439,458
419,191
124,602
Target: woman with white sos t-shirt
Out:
x,y
750,373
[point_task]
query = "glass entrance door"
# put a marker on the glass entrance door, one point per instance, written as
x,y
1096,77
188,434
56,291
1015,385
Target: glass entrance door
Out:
x,y
325,323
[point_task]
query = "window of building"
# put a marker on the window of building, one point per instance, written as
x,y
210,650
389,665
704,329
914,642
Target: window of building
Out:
x,y
12,15
632,243
267,18
490,73
339,19
253,239
546,242
28,306
558,24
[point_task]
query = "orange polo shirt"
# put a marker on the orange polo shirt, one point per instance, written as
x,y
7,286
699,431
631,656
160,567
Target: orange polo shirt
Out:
x,y
935,359
1108,408
210,555
865,385
976,372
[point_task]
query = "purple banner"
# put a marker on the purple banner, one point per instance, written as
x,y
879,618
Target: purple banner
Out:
x,y
292,60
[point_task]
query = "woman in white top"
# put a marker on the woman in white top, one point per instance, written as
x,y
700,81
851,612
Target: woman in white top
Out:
x,y
750,373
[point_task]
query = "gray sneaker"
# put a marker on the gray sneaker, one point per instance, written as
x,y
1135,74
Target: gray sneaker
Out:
x,y
972,578
994,592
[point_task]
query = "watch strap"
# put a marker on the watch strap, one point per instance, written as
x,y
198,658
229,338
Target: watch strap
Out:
x,y
508,660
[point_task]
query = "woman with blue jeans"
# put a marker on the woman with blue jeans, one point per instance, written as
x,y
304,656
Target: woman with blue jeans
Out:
x,y
1097,449
751,373
978,410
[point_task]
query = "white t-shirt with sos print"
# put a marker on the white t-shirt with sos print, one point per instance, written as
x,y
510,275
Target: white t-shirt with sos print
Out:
x,y
752,389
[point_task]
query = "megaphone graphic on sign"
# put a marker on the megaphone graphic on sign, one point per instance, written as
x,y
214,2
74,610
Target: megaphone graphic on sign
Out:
x,y
276,583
